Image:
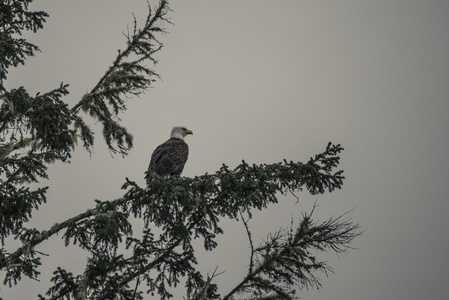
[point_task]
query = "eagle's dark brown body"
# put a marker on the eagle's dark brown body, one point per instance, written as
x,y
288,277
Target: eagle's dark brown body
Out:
x,y
170,157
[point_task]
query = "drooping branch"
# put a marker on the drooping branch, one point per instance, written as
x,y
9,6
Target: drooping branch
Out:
x,y
128,76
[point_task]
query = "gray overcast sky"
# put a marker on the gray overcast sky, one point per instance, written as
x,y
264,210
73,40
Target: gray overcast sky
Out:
x,y
264,81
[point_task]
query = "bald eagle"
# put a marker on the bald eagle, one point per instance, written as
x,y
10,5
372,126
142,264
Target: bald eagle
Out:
x,y
170,157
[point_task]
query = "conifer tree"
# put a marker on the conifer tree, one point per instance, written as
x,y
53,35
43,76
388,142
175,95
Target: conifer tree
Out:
x,y
36,131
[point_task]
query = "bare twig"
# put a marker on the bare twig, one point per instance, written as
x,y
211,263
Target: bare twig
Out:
x,y
251,260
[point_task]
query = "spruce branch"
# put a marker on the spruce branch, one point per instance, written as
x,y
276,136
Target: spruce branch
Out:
x,y
39,237
127,76
185,209
14,19
32,238
285,261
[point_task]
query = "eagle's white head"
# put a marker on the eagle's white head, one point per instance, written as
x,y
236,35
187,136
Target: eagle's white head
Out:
x,y
180,132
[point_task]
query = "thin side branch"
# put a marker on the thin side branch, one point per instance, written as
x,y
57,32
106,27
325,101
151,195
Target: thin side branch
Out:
x,y
248,232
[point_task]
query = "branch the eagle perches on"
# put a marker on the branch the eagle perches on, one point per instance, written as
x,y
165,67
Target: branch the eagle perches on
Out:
x,y
184,209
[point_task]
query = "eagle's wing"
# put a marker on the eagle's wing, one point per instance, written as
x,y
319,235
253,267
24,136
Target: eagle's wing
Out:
x,y
170,157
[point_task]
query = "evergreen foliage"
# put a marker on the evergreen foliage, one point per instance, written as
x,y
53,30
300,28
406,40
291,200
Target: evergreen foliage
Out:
x,y
175,211
15,18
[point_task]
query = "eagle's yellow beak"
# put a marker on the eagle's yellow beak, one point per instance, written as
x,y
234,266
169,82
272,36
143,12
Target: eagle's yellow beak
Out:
x,y
188,131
